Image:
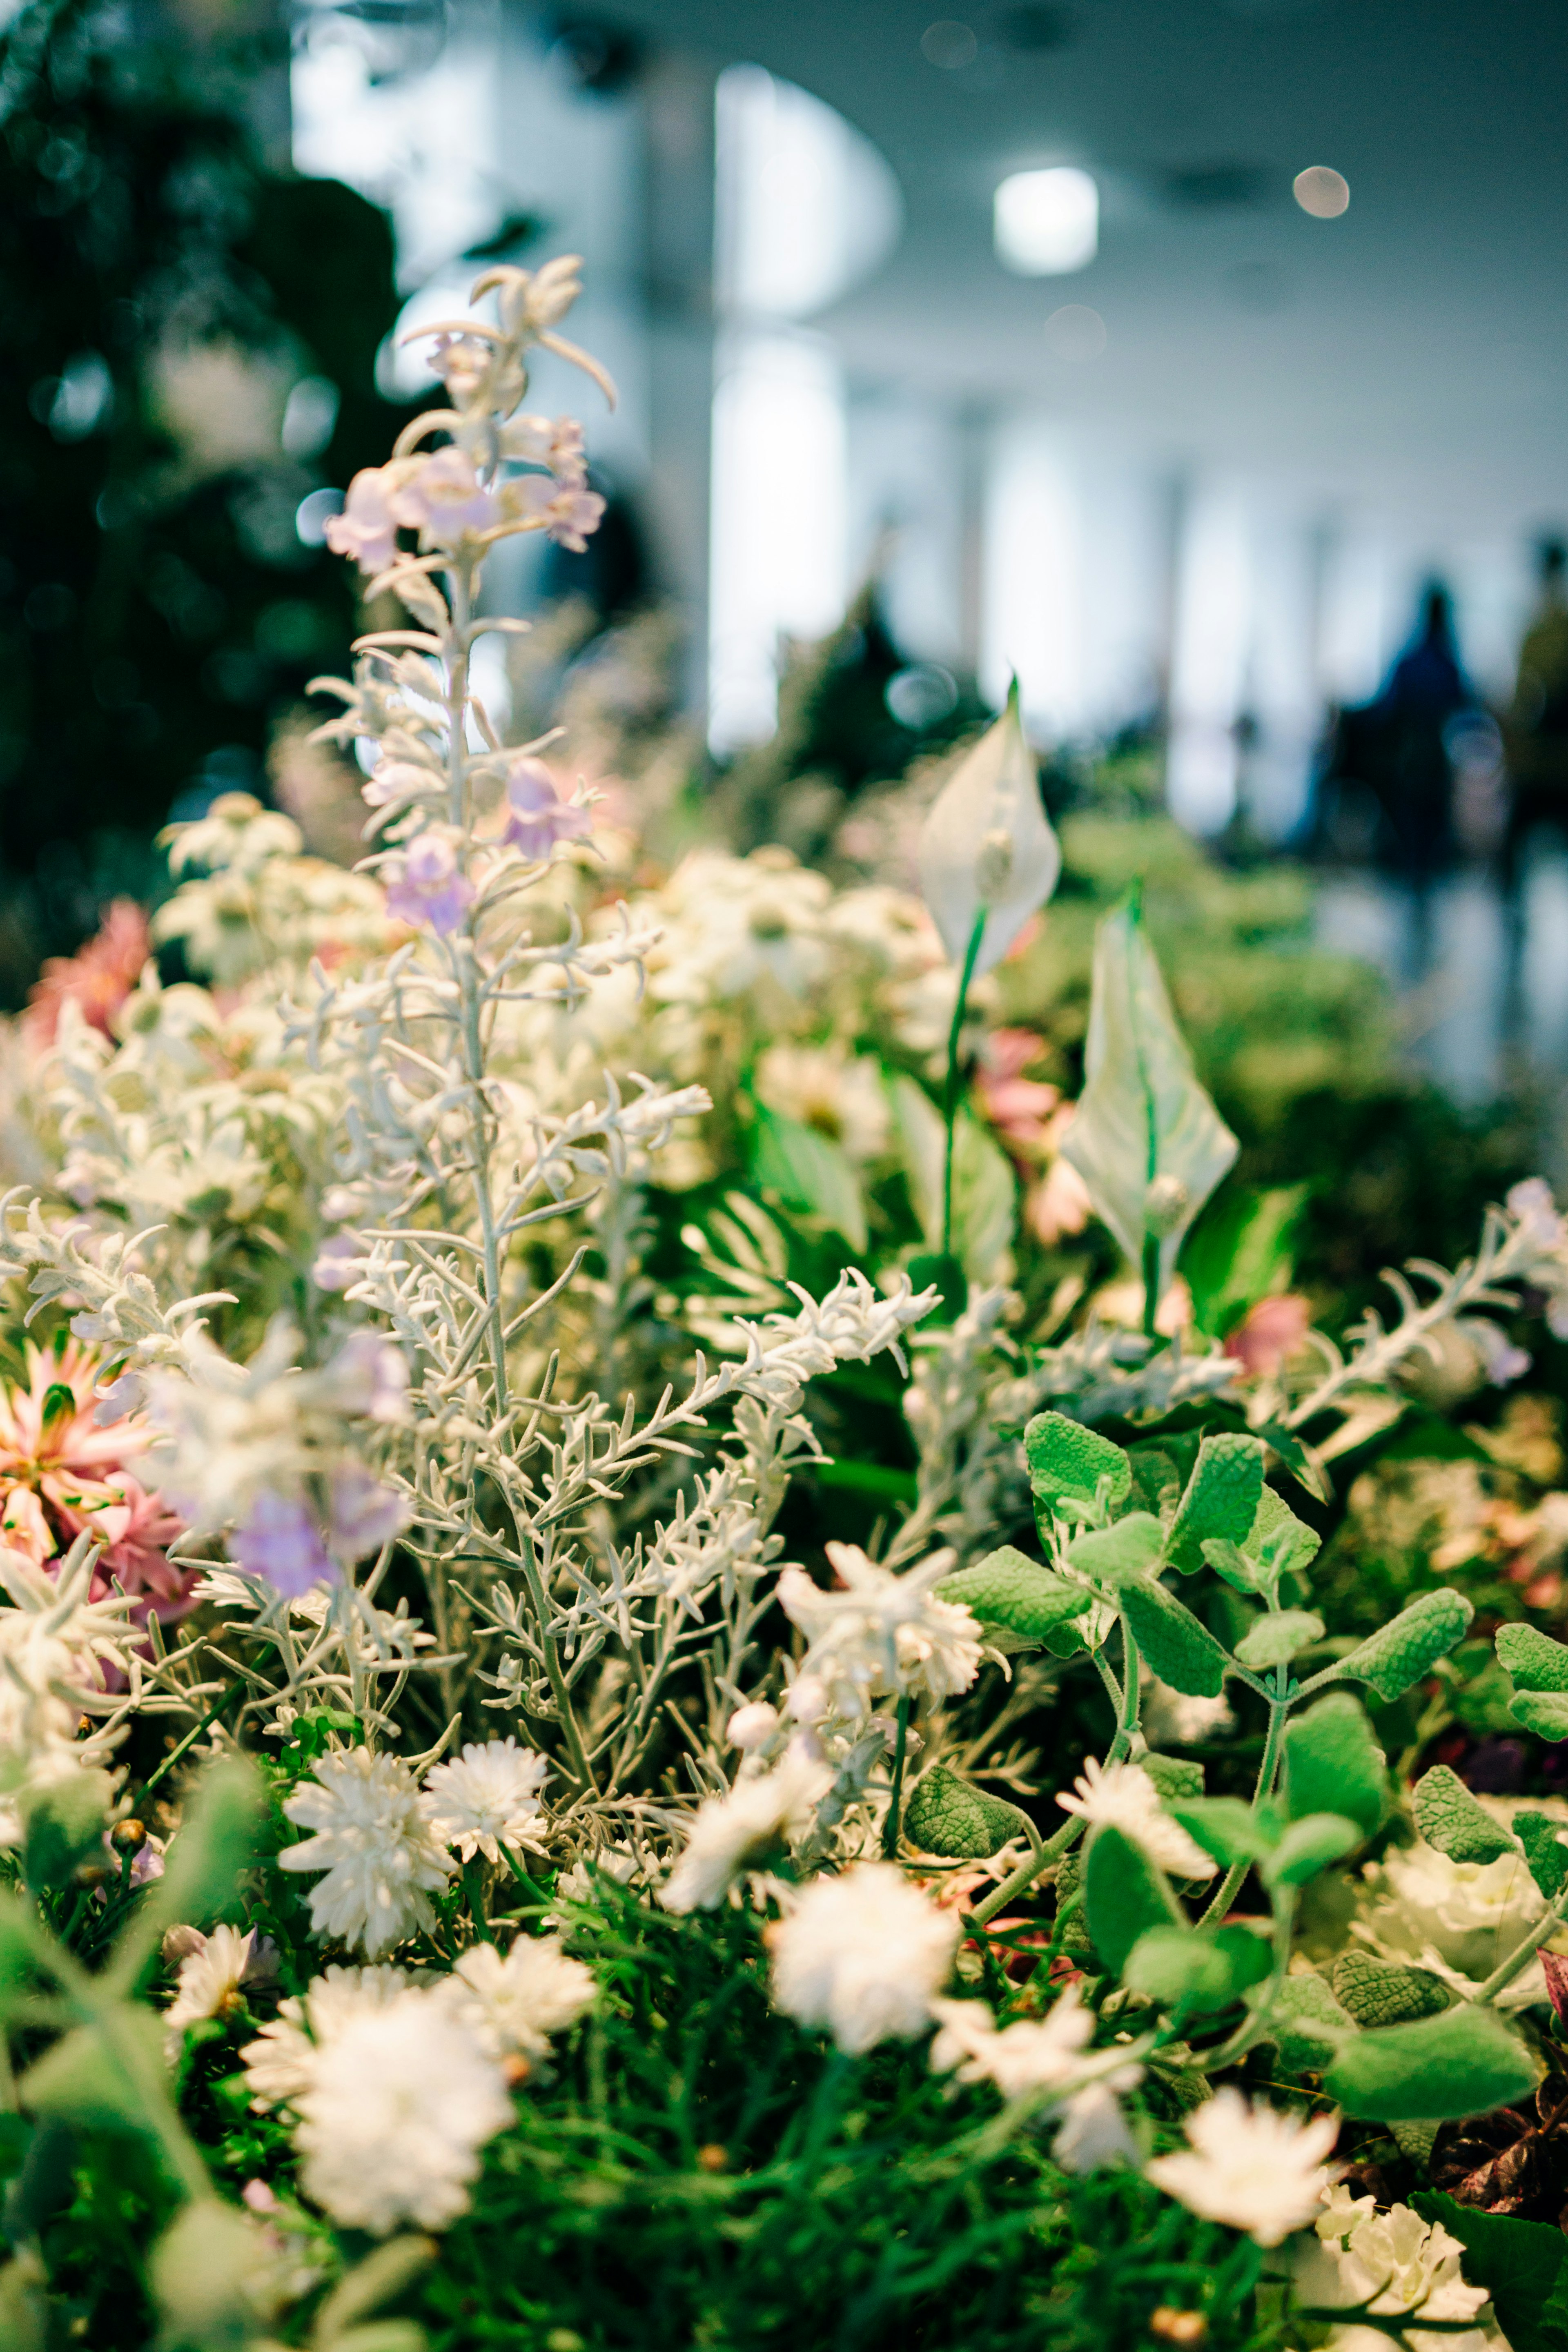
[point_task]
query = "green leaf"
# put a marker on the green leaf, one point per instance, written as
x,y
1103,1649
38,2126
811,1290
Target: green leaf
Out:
x,y
1534,1661
63,1825
1408,1647
1379,1993
984,1192
1548,1859
1197,1968
1180,1649
940,1270
808,1171
1333,1765
215,1844
83,2081
1156,1481
1228,1828
1221,1499
1130,1547
1142,1118
1274,1639
1242,1253
1464,2063
1173,1776
1523,2265
946,1816
1543,1712
1007,1587
1310,1845
1449,1818
1299,2004
1066,1463
200,2271
1237,1567
1278,1537
1125,1894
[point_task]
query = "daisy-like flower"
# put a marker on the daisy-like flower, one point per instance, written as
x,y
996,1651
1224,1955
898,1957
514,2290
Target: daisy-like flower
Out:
x,y
515,2004
486,1798
97,980
428,884
1392,2263
1123,1797
838,1093
537,816
280,2063
213,1969
1050,2056
380,1857
730,1831
880,1631
1252,2167
399,2104
863,1955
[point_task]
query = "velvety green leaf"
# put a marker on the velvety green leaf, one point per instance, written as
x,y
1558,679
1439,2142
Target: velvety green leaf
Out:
x,y
1228,1828
1156,1481
1533,1660
1310,1845
1176,1779
1221,1499
1543,1712
1523,2265
1007,1587
1276,1638
1380,1992
810,1172
63,1825
1237,1567
1110,1554
1301,2004
1333,1763
82,2081
1178,1646
1464,2063
215,1844
1066,1463
201,2272
946,1816
1449,1818
1125,1894
1203,1969
1412,1643
1142,1117
1538,1834
1289,1543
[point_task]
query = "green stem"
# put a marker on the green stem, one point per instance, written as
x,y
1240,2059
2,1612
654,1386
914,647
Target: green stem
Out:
x,y
474,1888
1150,1284
900,1743
1504,1974
949,1099
189,1741
1230,1883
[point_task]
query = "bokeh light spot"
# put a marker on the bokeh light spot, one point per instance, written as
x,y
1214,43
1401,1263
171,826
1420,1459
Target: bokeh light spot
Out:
x,y
949,44
1076,333
1048,223
1323,193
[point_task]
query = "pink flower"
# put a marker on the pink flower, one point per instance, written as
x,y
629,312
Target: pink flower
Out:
x,y
280,1541
552,441
97,980
367,527
1016,1107
1059,1206
568,513
429,886
1269,1332
460,361
443,500
540,817
369,1378
337,1262
396,780
364,1513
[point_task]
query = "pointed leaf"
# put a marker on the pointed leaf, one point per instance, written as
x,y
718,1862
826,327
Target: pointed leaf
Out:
x,y
1464,2063
1180,1649
1008,1589
1274,1639
1125,1894
1287,1543
1112,1554
1540,1836
215,1844
1068,1462
1333,1765
1221,1499
946,1816
1533,1660
1237,1567
1144,1119
1449,1818
1379,1992
1197,1968
1406,1649
809,1171
82,2080
1228,1828
987,845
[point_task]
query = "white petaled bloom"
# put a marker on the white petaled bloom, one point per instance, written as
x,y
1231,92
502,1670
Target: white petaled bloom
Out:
x,y
399,2104
1252,2167
280,2063
880,1631
987,846
838,1093
373,1842
751,1725
1393,2263
864,1955
1468,1913
730,1831
213,1969
1123,1797
515,2004
487,1797
1051,2056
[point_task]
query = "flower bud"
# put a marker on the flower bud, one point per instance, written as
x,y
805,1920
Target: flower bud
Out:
x,y
1164,1205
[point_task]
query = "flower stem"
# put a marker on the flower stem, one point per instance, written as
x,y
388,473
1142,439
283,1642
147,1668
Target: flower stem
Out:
x,y
1503,1975
900,1743
1231,1884
950,1099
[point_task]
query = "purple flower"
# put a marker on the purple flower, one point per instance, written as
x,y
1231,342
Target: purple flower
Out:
x,y
429,886
443,500
367,529
568,513
539,816
369,1378
364,1513
279,1541
337,1262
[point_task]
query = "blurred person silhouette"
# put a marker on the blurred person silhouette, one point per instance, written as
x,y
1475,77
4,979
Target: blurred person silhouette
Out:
x,y
1535,732
1421,695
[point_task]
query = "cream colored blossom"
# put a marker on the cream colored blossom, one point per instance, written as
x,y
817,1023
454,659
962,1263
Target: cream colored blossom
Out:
x,y
280,2063
515,2004
1252,2167
880,1632
1051,2056
863,1955
380,1857
213,1969
1123,1797
1392,2263
838,1093
487,1797
728,1832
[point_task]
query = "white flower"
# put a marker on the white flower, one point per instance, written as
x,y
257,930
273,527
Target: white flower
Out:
x,y
1123,1797
400,2102
988,845
880,1632
211,1970
280,2063
750,1726
1253,2167
863,1955
1392,2262
374,1845
1470,1913
515,2004
729,1831
1094,2131
825,1088
1050,2056
486,1798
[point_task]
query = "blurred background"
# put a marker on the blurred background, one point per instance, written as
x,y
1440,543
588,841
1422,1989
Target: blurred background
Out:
x,y
1202,364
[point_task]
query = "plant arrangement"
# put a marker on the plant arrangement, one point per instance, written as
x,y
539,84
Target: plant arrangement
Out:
x,y
616,1726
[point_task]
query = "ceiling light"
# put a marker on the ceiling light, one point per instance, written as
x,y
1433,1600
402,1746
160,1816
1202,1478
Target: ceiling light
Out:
x,y
1048,223
1322,192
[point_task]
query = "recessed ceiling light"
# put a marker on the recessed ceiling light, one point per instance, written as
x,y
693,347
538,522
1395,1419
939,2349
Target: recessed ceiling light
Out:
x,y
1048,223
1322,193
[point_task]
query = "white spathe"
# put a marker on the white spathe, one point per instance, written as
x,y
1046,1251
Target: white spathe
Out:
x,y
987,845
